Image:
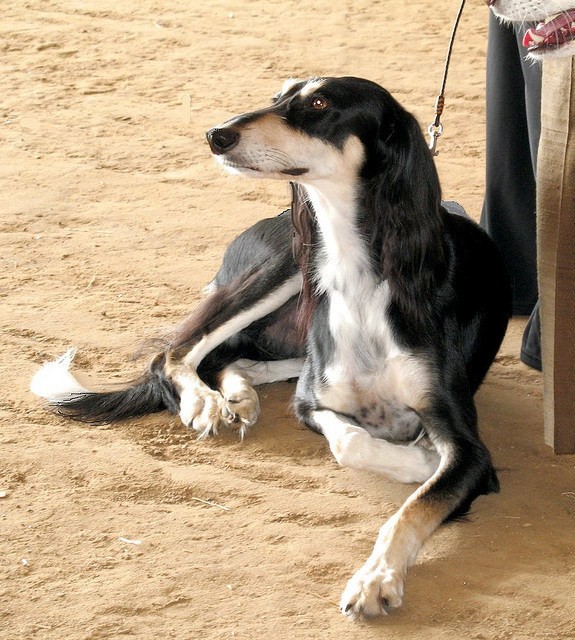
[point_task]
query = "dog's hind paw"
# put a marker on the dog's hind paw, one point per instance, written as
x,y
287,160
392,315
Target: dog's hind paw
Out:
x,y
370,594
202,410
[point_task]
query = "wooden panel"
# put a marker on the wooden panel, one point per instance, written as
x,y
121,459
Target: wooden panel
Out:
x,y
556,251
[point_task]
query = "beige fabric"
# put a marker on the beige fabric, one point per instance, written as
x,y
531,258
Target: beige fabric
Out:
x,y
556,250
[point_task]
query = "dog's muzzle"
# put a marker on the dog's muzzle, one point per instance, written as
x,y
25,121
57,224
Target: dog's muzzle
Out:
x,y
222,140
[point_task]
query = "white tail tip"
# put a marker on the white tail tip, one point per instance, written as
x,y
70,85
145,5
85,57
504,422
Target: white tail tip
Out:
x,y
54,381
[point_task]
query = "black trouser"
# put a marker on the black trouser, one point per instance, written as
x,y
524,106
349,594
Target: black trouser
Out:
x,y
513,91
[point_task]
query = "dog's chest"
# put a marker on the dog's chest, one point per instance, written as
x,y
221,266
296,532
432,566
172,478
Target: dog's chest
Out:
x,y
368,376
359,326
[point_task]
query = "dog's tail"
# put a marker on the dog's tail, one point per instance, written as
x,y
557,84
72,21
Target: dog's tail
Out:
x,y
150,393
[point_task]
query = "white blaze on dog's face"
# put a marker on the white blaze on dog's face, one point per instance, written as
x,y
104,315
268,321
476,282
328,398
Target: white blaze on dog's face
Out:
x,y
297,138
554,33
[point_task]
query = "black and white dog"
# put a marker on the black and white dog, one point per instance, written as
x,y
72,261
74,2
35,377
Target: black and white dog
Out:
x,y
389,309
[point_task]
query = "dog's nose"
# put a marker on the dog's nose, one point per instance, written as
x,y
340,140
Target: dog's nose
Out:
x,y
222,140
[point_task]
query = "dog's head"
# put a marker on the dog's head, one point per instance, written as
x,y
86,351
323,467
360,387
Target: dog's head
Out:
x,y
554,35
350,143
334,129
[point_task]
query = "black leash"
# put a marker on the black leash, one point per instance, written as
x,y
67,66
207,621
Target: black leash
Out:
x,y
435,129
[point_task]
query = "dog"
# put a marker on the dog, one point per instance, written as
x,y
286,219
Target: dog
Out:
x,y
387,308
553,36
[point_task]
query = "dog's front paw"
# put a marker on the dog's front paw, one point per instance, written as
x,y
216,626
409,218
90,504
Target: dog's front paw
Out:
x,y
372,593
201,409
242,403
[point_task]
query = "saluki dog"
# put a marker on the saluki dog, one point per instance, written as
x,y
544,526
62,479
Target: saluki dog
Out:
x,y
388,308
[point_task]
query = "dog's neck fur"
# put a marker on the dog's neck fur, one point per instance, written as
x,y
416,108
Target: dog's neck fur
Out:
x,y
357,295
341,258
347,252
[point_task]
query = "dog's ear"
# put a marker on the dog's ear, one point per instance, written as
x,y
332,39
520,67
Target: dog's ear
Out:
x,y
404,201
406,166
304,237
302,221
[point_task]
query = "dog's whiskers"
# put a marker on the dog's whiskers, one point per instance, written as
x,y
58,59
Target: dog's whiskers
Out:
x,y
280,156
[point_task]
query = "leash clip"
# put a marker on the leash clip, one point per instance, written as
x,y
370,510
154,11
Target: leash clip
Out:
x,y
435,129
435,132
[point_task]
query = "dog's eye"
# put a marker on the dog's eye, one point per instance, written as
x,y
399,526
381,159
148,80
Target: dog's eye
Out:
x,y
319,103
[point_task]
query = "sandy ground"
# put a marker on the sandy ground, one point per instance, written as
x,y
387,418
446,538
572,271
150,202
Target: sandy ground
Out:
x,y
113,216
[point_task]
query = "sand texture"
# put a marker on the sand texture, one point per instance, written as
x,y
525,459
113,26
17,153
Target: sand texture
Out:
x,y
113,218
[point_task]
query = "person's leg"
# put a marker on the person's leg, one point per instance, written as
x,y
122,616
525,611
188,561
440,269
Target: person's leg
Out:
x,y
513,116
531,342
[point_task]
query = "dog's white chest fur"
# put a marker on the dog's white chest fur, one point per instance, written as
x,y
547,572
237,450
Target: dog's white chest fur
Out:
x,y
369,377
361,333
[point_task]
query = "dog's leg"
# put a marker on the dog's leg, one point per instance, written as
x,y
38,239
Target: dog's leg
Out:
x,y
201,407
265,372
236,385
352,446
377,587
451,478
